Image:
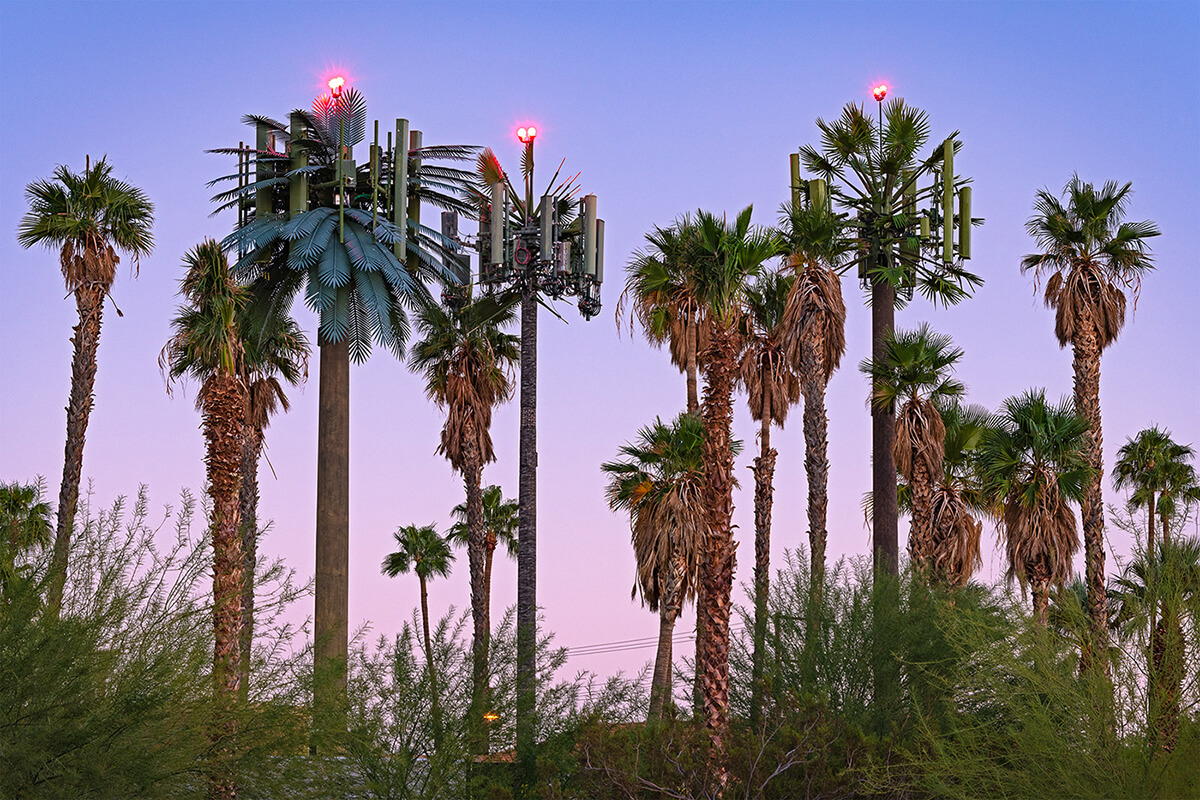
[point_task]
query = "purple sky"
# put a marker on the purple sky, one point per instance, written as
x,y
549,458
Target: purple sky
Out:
x,y
664,108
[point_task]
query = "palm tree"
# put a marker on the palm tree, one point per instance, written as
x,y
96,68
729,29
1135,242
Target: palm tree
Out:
x,y
732,254
428,555
275,349
772,387
816,317
1146,464
873,170
1033,465
909,380
1090,257
467,362
89,217
362,258
24,525
958,497
207,347
661,298
1172,578
660,482
499,527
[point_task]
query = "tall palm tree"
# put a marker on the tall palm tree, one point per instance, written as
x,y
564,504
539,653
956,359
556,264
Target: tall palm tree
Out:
x,y
1147,464
660,291
661,298
909,380
422,551
362,258
1033,465
1089,257
660,481
207,347
89,218
275,350
816,248
499,528
772,387
467,361
24,525
873,169
732,254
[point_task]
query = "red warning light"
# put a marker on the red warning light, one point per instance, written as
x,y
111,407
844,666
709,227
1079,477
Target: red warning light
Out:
x,y
526,134
532,131
336,85
880,92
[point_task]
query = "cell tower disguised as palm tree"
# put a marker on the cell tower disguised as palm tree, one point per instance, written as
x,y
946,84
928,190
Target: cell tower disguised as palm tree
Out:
x,y
903,231
555,248
349,234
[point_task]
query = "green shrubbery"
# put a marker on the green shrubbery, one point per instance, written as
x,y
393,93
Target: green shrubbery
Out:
x,y
113,698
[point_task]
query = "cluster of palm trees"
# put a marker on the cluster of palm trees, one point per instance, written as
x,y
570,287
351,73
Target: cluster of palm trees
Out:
x,y
702,287
705,287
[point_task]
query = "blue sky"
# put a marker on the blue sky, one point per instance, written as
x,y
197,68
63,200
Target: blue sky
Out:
x,y
665,108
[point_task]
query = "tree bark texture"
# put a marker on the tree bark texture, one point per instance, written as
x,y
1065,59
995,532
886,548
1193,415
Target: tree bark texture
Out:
x,y
920,536
719,561
476,558
693,396
885,513
527,541
1166,683
248,503
435,705
331,623
668,612
89,300
693,407
816,470
1087,403
764,476
223,422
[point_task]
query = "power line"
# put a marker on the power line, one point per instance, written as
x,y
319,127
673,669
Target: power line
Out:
x,y
627,645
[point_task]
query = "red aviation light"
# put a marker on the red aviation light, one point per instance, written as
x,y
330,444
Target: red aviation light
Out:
x,y
526,134
336,84
880,92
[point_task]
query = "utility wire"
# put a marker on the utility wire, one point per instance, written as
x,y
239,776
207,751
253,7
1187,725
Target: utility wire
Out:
x,y
626,645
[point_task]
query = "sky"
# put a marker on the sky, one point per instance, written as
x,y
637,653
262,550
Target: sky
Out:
x,y
664,108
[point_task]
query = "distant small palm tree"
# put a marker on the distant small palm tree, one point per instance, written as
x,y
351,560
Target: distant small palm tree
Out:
x,y
660,482
910,379
958,498
1033,465
89,217
422,551
1092,257
24,525
499,527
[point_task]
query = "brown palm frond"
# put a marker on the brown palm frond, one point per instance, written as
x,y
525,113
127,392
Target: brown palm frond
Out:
x,y
955,549
1084,294
816,313
920,434
1040,541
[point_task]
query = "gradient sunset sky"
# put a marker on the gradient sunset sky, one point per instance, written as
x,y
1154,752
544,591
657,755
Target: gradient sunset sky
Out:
x,y
664,108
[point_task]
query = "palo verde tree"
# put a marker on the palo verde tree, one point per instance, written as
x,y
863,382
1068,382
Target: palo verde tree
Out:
x,y
350,236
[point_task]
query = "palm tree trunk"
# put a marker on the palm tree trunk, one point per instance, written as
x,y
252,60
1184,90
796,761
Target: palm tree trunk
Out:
x,y
1087,403
331,622
527,541
490,544
719,367
248,503
764,474
89,300
435,706
920,539
1152,707
693,396
472,477
1041,602
224,411
885,513
668,612
816,470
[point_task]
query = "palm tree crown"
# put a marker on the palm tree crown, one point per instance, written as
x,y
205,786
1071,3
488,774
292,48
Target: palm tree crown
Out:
x,y
421,551
1033,465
